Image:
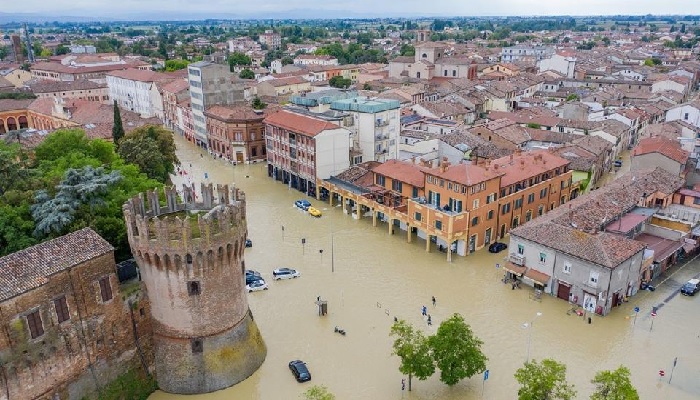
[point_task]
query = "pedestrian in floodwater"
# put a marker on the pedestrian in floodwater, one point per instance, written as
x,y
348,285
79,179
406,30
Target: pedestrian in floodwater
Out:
x,y
424,311
430,320
434,301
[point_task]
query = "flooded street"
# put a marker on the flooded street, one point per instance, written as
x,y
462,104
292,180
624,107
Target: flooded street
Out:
x,y
372,276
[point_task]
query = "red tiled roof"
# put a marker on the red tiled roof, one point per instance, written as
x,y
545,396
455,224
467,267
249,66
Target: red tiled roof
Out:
x,y
527,165
176,86
140,75
225,112
402,171
668,148
466,174
299,123
12,105
60,68
31,268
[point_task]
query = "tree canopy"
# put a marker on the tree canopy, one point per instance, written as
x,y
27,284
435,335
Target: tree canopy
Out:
x,y
247,73
414,351
66,183
152,149
174,65
457,351
544,380
317,392
340,82
614,385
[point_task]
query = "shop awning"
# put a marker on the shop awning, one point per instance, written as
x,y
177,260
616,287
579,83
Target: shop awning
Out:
x,y
537,276
514,268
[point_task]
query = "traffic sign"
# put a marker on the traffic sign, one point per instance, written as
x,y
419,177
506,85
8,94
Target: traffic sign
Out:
x,y
636,309
661,372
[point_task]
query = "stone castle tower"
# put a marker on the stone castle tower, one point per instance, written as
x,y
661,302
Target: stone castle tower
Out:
x,y
204,335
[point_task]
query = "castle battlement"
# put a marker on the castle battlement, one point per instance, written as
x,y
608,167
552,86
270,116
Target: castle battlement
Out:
x,y
171,236
190,253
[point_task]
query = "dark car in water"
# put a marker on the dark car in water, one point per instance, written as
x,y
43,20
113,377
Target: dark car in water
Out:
x,y
691,287
301,373
497,247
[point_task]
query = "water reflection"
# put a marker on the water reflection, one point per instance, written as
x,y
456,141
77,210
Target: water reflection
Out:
x,y
378,276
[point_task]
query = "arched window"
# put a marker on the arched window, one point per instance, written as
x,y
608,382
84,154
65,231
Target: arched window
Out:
x,y
424,55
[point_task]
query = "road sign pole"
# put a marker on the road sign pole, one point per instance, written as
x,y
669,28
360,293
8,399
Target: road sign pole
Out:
x,y
675,361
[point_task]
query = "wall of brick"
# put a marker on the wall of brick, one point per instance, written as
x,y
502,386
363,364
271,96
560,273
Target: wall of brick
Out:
x,y
97,334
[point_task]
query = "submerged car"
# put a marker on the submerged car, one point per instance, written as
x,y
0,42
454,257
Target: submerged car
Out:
x,y
285,273
256,285
302,204
299,370
314,212
691,287
497,247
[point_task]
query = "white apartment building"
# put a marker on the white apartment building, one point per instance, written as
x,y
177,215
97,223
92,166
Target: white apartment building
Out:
x,y
376,127
136,91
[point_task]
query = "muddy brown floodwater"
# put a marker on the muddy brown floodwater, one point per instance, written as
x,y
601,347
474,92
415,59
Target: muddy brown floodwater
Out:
x,y
372,276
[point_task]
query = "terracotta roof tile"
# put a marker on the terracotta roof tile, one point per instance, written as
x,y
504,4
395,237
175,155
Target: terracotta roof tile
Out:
x,y
31,268
299,123
61,86
526,165
402,171
233,112
12,105
668,148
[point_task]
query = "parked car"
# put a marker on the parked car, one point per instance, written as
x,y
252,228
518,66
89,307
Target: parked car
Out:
x,y
302,204
618,163
256,285
691,287
497,247
252,272
248,243
314,212
301,373
250,278
285,273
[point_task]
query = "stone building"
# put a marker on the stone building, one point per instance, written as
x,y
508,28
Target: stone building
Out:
x,y
236,132
66,330
190,256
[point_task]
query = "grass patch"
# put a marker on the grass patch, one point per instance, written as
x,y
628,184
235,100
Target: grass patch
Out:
x,y
132,385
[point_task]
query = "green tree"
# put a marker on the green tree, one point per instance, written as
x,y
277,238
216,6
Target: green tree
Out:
x,y
414,351
62,49
3,52
152,149
572,97
175,65
339,82
457,351
287,61
317,392
407,50
237,59
258,104
85,187
117,128
544,380
247,74
614,385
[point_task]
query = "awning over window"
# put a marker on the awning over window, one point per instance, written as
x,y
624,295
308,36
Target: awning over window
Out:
x,y
514,268
537,276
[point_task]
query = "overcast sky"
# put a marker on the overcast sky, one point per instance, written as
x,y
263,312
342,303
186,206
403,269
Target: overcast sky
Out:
x,y
383,7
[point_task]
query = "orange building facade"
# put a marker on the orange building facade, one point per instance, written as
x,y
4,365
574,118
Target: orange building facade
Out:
x,y
461,207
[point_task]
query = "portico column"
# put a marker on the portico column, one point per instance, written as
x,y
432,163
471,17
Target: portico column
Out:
x,y
449,253
391,225
427,242
374,217
358,212
409,239
331,194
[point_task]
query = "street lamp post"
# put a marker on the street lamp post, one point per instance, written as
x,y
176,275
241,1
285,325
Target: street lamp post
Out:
x,y
528,326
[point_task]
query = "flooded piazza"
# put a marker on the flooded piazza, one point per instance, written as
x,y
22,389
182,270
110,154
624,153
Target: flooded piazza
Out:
x,y
369,276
